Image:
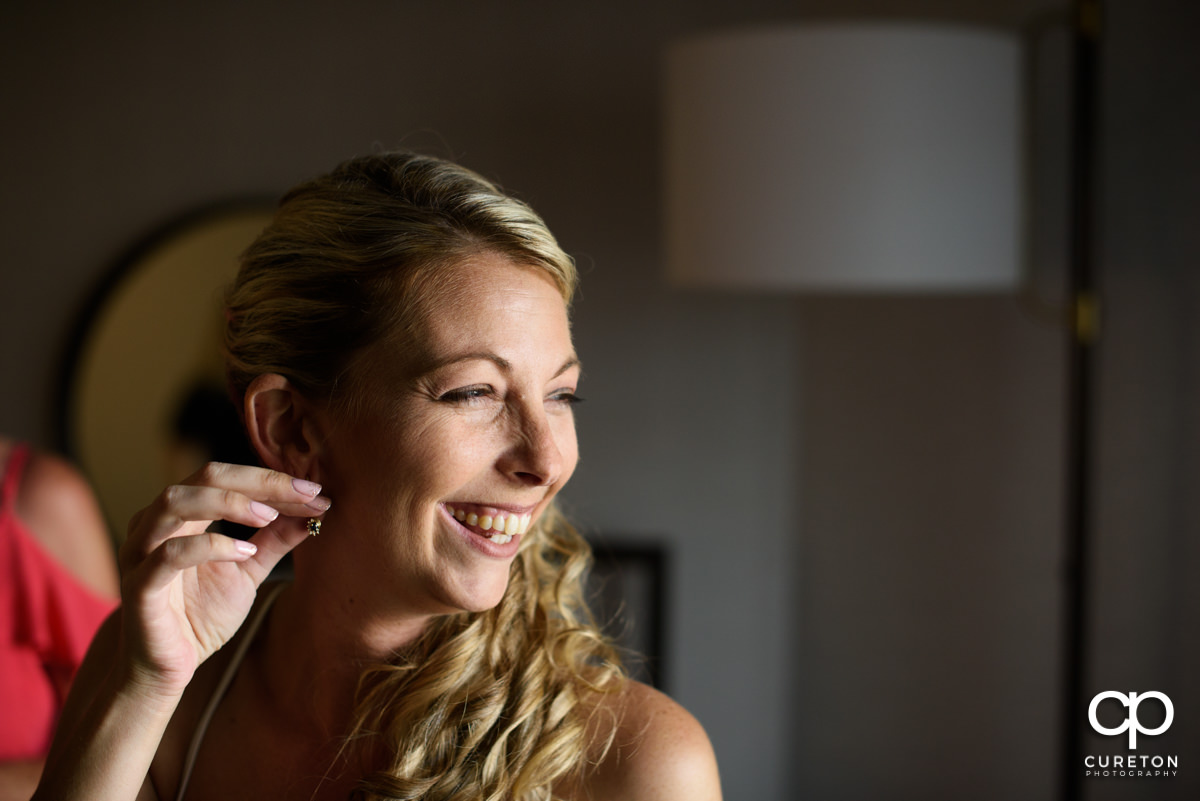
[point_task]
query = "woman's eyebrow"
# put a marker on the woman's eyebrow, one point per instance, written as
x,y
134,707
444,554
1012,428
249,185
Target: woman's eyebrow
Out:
x,y
487,356
478,355
573,361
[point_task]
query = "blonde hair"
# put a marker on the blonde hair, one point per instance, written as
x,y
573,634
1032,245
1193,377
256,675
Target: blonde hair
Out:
x,y
488,705
350,256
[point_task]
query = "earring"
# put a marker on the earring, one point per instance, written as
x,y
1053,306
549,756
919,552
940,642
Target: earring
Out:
x,y
314,526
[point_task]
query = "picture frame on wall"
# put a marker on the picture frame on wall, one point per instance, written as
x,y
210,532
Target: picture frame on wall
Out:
x,y
627,591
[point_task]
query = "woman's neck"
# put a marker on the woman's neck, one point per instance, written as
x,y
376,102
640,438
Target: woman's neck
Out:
x,y
316,646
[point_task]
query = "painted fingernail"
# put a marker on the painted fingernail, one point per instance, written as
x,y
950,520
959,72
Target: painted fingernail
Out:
x,y
262,511
247,548
319,504
305,487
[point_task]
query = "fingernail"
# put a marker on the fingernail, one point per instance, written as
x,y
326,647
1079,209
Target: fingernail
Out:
x,y
262,511
305,487
319,504
247,548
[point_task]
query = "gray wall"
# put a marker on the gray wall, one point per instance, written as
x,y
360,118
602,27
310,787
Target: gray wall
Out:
x,y
862,495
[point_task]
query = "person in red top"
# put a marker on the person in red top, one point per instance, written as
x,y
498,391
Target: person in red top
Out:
x,y
58,581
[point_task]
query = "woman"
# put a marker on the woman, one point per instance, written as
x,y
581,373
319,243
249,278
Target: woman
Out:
x,y
58,582
398,342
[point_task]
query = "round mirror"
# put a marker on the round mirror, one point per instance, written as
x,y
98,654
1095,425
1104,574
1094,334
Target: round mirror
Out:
x,y
144,400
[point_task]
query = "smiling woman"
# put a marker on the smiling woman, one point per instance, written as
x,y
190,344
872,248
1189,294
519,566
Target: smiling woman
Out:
x,y
478,421
398,343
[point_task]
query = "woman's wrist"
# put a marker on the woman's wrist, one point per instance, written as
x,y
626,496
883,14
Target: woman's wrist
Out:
x,y
108,754
136,675
137,687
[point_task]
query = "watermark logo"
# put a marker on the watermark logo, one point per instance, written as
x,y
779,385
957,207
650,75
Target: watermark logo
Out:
x,y
1131,724
1130,765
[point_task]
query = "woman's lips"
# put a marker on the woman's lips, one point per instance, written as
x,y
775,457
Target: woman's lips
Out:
x,y
494,523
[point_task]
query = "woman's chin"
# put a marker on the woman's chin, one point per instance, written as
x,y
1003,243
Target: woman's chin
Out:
x,y
477,592
489,598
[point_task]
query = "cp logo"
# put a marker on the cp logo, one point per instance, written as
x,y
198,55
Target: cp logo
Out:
x,y
1131,723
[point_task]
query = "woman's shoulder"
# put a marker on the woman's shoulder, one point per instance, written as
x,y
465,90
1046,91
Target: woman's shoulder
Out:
x,y
658,749
60,510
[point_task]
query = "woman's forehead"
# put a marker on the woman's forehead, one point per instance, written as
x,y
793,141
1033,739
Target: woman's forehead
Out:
x,y
486,303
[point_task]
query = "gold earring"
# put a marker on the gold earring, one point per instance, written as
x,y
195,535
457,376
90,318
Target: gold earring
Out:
x,y
314,526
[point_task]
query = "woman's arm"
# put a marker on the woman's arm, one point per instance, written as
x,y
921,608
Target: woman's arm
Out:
x,y
185,592
18,779
109,729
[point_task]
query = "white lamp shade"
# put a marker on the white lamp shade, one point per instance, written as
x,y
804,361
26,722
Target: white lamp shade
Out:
x,y
845,157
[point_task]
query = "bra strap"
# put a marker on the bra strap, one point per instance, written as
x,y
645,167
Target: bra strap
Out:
x,y
12,474
231,670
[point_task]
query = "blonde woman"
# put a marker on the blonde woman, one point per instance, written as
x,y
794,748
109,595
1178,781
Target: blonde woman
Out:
x,y
398,342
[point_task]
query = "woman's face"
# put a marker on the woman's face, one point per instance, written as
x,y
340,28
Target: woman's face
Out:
x,y
469,425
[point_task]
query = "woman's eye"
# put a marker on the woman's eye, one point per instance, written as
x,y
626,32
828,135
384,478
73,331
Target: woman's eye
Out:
x,y
567,397
466,394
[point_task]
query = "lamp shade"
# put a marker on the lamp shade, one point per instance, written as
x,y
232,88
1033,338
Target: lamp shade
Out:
x,y
845,157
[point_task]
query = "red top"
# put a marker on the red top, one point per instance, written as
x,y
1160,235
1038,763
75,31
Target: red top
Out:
x,y
47,620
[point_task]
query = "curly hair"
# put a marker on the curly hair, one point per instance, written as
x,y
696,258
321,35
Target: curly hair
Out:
x,y
488,705
484,705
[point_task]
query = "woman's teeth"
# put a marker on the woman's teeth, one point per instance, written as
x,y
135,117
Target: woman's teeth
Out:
x,y
499,529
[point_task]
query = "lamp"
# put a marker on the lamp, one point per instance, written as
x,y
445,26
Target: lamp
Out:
x,y
887,158
845,157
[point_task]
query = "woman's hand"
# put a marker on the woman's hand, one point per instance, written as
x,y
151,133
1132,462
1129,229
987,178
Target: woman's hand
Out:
x,y
185,591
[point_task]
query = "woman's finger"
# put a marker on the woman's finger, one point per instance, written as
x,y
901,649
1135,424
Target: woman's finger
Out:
x,y
181,553
286,494
260,483
180,508
251,496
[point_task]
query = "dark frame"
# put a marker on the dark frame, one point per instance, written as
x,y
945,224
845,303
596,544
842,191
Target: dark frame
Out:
x,y
627,589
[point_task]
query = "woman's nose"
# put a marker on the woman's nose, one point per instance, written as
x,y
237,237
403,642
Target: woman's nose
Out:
x,y
535,457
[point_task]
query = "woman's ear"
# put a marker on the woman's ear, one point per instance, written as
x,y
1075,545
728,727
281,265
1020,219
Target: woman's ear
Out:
x,y
280,428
